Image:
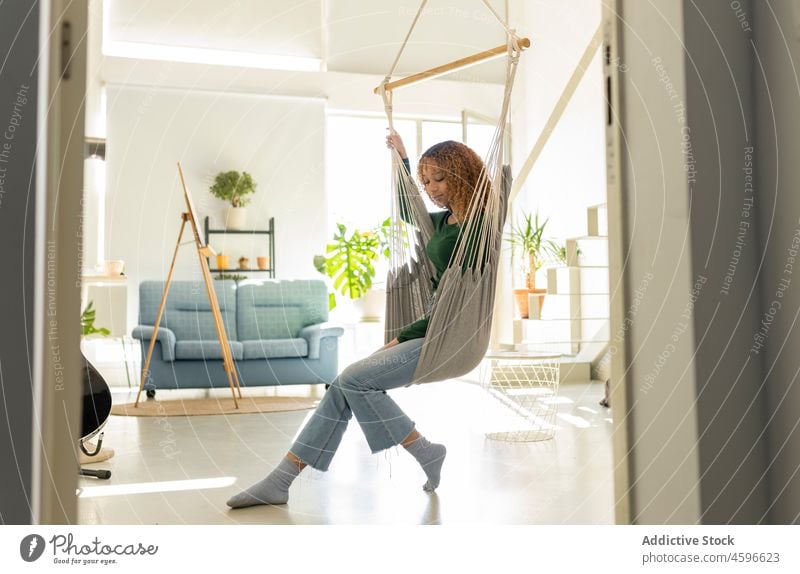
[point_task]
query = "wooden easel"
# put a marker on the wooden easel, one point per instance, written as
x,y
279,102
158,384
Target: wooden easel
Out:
x,y
203,251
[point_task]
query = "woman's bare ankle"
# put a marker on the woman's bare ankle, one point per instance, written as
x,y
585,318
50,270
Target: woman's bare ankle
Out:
x,y
412,436
292,457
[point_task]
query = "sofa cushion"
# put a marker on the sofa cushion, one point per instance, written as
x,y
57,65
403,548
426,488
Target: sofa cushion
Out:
x,y
278,309
275,348
188,311
208,350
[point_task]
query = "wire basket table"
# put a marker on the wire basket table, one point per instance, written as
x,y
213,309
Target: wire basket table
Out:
x,y
527,385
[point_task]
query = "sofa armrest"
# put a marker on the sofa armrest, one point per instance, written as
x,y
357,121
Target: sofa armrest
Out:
x,y
165,336
314,334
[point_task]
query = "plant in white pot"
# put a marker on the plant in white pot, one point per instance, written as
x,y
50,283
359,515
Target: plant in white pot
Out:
x,y
234,187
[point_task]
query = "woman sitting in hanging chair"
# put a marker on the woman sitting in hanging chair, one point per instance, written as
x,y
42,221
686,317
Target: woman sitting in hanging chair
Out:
x,y
449,172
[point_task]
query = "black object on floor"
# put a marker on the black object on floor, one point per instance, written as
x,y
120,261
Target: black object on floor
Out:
x,y
606,400
102,474
95,412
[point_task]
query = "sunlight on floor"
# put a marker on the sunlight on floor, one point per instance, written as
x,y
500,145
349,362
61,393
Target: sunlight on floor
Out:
x,y
149,487
579,422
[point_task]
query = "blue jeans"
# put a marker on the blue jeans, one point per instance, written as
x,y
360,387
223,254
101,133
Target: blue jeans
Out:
x,y
360,390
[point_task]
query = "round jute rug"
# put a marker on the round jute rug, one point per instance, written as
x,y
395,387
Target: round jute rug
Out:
x,y
213,406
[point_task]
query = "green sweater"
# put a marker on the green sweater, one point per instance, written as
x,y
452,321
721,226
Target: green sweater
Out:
x,y
439,249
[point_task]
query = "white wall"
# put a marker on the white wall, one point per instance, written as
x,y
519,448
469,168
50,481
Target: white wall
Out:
x,y
570,173
279,141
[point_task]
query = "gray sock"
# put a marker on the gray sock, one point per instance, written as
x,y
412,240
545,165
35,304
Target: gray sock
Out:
x,y
431,457
272,490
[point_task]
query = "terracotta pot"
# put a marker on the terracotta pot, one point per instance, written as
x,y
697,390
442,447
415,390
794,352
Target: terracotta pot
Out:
x,y
222,261
536,313
521,298
263,262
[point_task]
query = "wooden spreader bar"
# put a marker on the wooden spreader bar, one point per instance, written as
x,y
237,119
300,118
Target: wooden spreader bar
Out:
x,y
452,66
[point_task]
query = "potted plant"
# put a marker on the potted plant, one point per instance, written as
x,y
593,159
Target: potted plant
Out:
x,y
560,255
350,263
234,187
527,238
87,322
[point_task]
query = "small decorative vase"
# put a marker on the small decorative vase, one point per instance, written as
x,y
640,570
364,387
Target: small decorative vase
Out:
x,y
244,263
236,218
263,262
222,261
114,268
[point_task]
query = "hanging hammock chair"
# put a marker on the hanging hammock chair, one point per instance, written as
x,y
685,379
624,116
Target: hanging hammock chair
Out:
x,y
461,308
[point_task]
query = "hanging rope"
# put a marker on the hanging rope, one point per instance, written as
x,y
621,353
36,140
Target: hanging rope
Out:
x,y
405,41
509,31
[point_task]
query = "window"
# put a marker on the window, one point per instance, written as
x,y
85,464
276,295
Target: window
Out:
x,y
358,169
435,132
479,137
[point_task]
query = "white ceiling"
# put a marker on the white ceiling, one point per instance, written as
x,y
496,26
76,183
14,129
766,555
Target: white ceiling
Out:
x,y
358,36
279,27
365,37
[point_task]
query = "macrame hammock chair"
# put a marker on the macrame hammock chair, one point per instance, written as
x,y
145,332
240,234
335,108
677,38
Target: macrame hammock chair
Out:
x,y
462,307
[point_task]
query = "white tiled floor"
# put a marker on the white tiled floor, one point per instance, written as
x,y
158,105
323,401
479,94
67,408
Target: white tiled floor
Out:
x,y
181,470
189,466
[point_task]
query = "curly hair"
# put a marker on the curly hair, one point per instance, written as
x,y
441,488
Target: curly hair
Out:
x,y
462,169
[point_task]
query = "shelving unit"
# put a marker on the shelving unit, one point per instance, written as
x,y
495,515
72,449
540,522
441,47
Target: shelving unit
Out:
x,y
572,318
270,236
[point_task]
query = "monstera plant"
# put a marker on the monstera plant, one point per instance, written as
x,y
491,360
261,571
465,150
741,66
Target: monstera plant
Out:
x,y
350,260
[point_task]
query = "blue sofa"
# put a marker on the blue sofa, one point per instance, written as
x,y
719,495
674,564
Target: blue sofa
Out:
x,y
277,331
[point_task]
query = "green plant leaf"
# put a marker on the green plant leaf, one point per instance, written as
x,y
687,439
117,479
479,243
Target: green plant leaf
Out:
x,y
320,263
349,258
233,187
87,322
527,235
